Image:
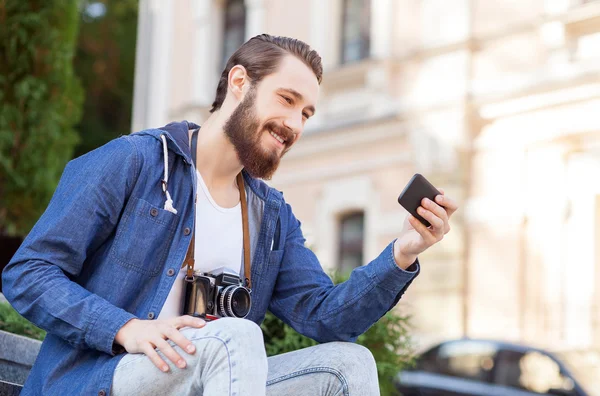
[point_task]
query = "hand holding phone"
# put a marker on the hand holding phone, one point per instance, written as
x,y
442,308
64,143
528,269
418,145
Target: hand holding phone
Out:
x,y
418,234
410,198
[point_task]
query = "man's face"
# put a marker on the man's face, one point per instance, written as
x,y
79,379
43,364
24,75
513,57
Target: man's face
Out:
x,y
272,115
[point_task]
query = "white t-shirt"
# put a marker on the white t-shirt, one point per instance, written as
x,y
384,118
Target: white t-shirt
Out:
x,y
219,243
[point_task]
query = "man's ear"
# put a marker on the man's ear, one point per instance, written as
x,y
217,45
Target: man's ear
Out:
x,y
237,80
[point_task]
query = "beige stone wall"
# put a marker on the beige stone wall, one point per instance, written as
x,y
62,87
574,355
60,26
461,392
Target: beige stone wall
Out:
x,y
280,13
495,101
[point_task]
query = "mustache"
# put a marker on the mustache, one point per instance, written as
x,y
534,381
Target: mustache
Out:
x,y
282,131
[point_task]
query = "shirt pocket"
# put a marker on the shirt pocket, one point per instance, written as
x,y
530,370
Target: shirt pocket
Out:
x,y
144,237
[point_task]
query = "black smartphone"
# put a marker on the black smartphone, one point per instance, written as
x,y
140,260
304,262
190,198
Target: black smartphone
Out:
x,y
417,188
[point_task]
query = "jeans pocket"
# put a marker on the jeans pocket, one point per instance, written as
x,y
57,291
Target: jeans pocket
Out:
x,y
143,237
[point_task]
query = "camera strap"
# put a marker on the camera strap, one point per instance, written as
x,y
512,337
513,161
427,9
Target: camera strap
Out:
x,y
189,258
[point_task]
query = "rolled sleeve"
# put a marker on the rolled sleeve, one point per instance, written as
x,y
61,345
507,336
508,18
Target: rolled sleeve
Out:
x,y
389,275
107,322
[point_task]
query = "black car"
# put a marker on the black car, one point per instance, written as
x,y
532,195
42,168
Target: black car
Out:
x,y
489,368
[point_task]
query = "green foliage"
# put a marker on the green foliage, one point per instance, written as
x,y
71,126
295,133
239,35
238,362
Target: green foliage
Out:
x,y
105,61
388,340
14,323
281,338
40,102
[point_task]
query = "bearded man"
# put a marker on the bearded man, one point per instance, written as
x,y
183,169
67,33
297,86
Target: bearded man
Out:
x,y
116,260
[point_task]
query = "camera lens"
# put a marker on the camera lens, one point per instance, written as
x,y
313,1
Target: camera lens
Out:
x,y
234,301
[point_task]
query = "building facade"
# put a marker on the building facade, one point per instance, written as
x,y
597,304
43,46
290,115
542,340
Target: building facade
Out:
x,y
498,102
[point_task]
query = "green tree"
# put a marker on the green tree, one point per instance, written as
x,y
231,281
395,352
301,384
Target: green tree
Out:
x,y
388,340
40,102
105,62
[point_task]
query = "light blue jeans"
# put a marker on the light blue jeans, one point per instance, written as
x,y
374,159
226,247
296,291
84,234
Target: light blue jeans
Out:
x,y
230,360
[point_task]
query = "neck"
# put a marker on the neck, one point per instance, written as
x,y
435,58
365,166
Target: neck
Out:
x,y
216,159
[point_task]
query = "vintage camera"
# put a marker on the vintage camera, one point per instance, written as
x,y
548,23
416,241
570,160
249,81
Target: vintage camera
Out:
x,y
216,294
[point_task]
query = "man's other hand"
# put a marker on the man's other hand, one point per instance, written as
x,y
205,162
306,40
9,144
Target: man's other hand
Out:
x,y
143,336
415,237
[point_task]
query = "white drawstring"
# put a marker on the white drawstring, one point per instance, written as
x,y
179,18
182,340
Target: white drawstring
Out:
x,y
169,201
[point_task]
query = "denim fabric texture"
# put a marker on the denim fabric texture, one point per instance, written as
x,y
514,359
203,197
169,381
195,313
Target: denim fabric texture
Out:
x,y
100,255
230,360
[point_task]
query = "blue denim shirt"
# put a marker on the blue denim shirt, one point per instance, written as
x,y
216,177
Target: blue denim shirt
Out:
x,y
100,255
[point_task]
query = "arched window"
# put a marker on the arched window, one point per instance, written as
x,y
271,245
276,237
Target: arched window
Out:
x,y
352,231
234,28
356,30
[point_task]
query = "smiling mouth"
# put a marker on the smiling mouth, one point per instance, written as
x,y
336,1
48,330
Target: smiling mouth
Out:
x,y
277,137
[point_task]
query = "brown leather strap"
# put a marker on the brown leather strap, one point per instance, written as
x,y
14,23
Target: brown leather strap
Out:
x,y
189,258
242,187
189,261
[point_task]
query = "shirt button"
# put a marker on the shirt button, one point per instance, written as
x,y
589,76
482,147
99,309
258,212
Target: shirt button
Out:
x,y
102,393
171,272
187,231
151,315
154,212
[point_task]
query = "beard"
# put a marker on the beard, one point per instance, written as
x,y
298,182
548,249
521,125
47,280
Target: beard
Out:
x,y
244,131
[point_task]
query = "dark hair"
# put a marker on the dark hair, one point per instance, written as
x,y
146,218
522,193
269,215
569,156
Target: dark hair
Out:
x,y
261,56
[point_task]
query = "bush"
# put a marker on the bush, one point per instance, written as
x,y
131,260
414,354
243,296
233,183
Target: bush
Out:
x,y
388,340
40,102
14,323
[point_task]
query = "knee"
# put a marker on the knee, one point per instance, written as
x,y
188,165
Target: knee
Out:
x,y
356,365
242,337
355,358
236,329
240,334
231,347
237,338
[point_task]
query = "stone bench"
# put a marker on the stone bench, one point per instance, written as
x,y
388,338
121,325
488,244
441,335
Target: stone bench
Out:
x,y
17,355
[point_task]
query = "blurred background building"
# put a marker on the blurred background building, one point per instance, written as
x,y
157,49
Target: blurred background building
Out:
x,y
498,102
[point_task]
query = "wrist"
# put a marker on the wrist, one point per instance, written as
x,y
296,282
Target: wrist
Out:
x,y
120,337
403,260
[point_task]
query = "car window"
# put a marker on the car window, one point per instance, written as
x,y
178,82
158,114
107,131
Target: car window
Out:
x,y
472,360
532,371
585,366
428,361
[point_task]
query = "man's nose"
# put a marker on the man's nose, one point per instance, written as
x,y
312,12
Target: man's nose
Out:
x,y
294,123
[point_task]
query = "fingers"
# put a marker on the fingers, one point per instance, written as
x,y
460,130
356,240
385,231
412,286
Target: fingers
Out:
x,y
435,215
149,334
425,232
180,340
186,320
448,203
437,210
149,351
169,352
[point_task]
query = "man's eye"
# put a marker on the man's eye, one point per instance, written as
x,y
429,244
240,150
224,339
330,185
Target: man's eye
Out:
x,y
305,115
287,99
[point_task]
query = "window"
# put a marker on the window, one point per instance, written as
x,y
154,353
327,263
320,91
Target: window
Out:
x,y
429,361
351,241
584,364
356,30
472,360
532,371
234,27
